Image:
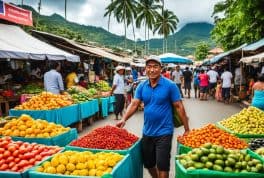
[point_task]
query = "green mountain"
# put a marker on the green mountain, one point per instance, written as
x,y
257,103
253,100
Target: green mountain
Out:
x,y
186,38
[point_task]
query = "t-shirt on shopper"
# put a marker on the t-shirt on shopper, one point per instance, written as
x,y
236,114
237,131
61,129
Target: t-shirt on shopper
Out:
x,y
159,96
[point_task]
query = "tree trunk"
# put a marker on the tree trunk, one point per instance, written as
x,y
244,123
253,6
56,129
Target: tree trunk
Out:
x,y
65,9
145,38
125,33
163,46
134,35
148,41
22,2
108,23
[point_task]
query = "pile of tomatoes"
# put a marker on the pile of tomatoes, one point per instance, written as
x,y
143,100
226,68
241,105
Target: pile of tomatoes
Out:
x,y
18,156
107,137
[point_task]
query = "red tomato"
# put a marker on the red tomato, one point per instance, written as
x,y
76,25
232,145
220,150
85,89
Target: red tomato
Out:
x,y
29,148
28,156
10,159
4,143
2,161
1,156
22,163
38,157
14,169
22,149
6,154
32,161
15,153
3,167
12,147
17,160
2,150
11,165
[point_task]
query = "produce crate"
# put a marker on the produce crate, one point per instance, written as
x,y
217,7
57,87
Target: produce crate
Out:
x,y
59,140
88,109
182,149
112,100
118,171
244,136
181,172
104,106
135,163
64,116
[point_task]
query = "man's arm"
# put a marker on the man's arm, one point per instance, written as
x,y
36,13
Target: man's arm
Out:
x,y
182,114
132,108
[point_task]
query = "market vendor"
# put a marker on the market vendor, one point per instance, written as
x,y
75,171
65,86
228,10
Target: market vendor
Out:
x,y
159,95
52,79
258,93
72,78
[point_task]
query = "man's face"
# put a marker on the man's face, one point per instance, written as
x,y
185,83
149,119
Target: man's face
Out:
x,y
121,72
153,70
177,68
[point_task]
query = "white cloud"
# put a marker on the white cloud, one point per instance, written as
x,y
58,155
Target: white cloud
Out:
x,y
90,12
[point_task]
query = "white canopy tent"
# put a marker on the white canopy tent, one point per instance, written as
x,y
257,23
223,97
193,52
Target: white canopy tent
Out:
x,y
17,44
253,59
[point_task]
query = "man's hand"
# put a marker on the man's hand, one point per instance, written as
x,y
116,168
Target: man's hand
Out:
x,y
121,123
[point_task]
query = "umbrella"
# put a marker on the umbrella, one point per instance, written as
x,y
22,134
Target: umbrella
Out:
x,y
173,58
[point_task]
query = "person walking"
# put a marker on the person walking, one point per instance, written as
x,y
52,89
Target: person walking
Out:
x,y
52,79
159,95
213,76
258,93
196,83
177,78
118,89
187,75
204,83
128,85
226,78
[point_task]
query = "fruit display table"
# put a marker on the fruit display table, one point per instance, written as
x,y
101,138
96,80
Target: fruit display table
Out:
x,y
64,116
119,170
88,109
60,140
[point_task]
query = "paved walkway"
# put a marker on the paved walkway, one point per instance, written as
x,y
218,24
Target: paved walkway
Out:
x,y
199,112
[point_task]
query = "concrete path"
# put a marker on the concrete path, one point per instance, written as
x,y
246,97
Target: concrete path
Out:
x,y
199,112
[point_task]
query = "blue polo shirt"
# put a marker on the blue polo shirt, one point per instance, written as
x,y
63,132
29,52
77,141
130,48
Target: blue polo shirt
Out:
x,y
158,118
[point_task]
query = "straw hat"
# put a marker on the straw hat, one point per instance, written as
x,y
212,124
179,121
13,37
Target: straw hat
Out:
x,y
120,68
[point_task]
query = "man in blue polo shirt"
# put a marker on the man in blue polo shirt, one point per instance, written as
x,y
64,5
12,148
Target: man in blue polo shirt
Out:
x,y
158,95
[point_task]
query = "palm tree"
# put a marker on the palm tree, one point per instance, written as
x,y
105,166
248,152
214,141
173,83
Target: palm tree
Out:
x,y
124,11
166,24
146,15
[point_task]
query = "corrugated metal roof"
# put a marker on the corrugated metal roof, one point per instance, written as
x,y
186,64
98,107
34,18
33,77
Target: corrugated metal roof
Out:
x,y
254,46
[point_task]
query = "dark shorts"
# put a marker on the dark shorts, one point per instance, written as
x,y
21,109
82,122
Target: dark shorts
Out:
x,y
203,89
196,86
156,152
226,93
187,85
212,85
119,104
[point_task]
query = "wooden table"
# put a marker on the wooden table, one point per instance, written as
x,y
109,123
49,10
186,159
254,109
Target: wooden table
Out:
x,y
6,101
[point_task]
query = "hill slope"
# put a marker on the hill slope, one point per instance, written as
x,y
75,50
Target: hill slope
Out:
x,y
186,38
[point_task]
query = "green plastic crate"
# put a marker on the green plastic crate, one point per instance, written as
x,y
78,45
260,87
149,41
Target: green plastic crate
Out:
x,y
181,172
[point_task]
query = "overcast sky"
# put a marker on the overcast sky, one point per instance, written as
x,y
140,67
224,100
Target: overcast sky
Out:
x,y
90,12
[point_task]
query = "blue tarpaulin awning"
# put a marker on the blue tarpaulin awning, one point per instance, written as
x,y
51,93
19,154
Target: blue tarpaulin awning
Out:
x,y
254,46
173,58
218,57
